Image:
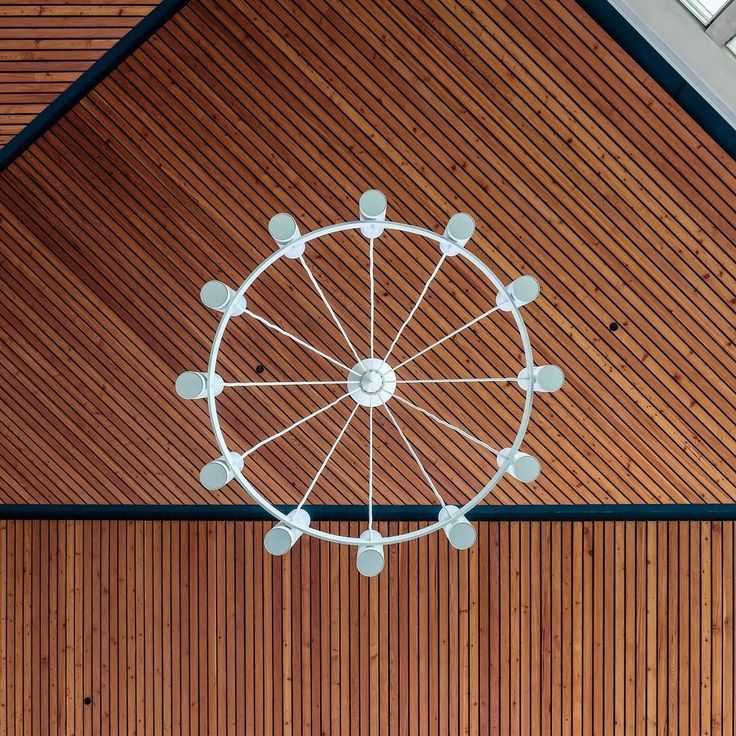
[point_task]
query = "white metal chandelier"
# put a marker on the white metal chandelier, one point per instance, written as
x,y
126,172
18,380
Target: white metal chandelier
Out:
x,y
372,382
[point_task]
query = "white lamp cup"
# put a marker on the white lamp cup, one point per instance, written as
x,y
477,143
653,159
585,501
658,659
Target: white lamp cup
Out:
x,y
370,555
284,230
545,378
193,385
217,473
525,468
459,230
219,296
372,206
282,537
460,533
523,290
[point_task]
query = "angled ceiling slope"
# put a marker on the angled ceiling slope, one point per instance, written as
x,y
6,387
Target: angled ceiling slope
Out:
x,y
51,54
45,48
578,168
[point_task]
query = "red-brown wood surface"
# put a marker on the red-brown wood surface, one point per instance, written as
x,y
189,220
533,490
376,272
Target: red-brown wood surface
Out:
x,y
45,47
188,627
577,167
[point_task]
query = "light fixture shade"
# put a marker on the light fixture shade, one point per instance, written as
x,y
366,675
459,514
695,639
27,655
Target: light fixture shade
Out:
x,y
525,468
460,533
216,295
281,538
284,230
372,206
459,230
546,378
523,290
217,473
193,385
370,558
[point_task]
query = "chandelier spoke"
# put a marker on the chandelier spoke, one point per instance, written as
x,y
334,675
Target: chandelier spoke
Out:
x,y
490,379
296,339
416,305
327,457
264,384
327,304
293,426
413,453
435,418
371,271
448,336
370,468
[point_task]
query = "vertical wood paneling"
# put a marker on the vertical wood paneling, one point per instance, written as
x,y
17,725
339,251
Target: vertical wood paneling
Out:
x,y
174,627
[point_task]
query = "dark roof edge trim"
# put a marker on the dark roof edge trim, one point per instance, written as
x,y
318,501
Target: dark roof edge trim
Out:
x,y
600,10
90,79
583,512
662,72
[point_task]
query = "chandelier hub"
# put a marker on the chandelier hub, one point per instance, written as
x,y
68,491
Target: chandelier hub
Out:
x,y
371,382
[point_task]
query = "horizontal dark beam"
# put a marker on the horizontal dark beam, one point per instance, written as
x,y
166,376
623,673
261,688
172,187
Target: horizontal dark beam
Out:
x,y
591,512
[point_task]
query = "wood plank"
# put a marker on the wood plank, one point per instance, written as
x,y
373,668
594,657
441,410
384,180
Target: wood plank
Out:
x,y
728,628
661,640
494,628
706,634
536,635
696,653
640,641
716,612
684,626
672,690
558,572
622,665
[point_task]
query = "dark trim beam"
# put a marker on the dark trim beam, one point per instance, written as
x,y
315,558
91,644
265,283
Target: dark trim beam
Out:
x,y
582,512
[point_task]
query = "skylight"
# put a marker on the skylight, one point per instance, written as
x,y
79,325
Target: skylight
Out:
x,y
705,10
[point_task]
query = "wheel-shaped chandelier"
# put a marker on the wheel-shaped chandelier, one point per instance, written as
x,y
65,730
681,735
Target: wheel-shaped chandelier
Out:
x,y
371,383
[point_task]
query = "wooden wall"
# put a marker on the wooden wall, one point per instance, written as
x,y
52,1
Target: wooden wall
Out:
x,y
45,47
552,628
577,167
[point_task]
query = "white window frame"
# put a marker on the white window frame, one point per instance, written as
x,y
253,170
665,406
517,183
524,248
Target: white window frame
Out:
x,y
722,29
698,10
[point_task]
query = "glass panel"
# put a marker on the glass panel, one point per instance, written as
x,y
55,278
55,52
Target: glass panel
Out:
x,y
705,10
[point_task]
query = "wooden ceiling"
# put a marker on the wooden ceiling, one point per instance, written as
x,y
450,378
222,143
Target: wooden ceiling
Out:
x,y
577,167
44,48
541,628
